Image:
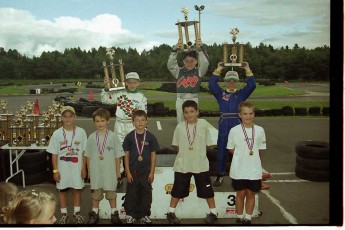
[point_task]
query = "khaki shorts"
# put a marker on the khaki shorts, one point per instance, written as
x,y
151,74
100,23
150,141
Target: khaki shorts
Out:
x,y
97,194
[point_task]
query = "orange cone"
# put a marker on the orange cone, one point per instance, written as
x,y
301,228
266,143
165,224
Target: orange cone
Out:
x,y
36,108
91,96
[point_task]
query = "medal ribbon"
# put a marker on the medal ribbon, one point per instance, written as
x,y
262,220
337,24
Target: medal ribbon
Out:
x,y
64,136
250,145
140,150
188,134
100,150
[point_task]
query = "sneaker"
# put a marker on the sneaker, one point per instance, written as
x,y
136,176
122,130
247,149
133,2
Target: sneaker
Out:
x,y
218,181
145,220
114,218
171,217
78,219
130,220
246,222
93,218
211,218
63,219
239,221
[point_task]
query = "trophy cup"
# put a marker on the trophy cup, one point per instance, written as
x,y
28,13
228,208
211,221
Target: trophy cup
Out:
x,y
237,50
185,24
113,84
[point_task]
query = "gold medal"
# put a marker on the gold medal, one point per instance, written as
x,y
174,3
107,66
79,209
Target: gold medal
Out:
x,y
190,148
251,152
101,157
140,158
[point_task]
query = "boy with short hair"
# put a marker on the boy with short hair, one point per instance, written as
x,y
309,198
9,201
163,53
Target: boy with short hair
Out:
x,y
140,148
67,146
188,77
245,143
102,157
191,139
127,101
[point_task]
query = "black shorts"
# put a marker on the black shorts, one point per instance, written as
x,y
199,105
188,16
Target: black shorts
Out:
x,y
252,185
203,185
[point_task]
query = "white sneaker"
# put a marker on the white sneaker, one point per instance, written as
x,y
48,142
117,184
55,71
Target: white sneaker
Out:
x,y
129,220
145,220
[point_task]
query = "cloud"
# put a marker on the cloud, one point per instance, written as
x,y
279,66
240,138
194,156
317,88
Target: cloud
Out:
x,y
22,31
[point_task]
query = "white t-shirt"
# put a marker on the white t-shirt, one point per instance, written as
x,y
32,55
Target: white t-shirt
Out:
x,y
103,172
244,165
192,160
69,151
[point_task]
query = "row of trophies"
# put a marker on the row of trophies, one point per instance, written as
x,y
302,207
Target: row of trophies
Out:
x,y
234,59
24,128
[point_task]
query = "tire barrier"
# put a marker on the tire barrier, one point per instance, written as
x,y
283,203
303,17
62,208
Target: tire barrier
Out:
x,y
301,111
314,111
325,111
288,111
312,160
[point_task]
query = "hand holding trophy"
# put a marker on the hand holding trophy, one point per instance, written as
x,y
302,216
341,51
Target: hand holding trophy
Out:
x,y
113,84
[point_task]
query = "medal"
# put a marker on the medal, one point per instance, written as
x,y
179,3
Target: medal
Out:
x,y
141,148
188,136
250,145
69,147
101,149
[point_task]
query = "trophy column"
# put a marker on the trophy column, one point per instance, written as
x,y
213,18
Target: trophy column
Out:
x,y
237,51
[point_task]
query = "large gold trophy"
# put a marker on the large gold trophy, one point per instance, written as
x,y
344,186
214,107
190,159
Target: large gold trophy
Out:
x,y
237,50
188,46
113,84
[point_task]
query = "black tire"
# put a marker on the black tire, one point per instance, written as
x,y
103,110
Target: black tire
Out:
x,y
212,153
260,113
32,179
314,164
314,111
87,111
277,112
301,111
313,149
287,110
312,175
325,111
33,156
150,110
158,106
268,112
34,167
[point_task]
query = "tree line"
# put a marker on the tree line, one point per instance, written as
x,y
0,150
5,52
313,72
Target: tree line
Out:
x,y
267,63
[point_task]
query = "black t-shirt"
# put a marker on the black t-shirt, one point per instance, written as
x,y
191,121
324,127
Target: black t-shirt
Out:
x,y
150,145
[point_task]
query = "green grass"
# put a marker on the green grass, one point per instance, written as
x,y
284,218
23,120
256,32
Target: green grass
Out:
x,y
10,90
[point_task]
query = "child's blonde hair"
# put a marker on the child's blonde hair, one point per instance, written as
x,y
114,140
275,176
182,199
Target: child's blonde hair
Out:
x,y
247,104
7,191
27,205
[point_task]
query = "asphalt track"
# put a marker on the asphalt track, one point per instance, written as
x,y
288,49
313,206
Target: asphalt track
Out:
x,y
289,201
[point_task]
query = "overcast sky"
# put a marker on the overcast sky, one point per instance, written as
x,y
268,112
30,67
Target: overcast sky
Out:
x,y
34,26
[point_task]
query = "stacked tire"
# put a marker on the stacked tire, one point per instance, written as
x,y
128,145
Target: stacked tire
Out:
x,y
312,160
212,153
34,163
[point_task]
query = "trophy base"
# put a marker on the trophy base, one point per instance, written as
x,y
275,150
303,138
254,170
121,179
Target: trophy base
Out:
x,y
233,64
117,88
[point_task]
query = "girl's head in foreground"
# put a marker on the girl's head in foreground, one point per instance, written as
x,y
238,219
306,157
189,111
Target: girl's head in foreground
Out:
x,y
7,191
190,111
31,207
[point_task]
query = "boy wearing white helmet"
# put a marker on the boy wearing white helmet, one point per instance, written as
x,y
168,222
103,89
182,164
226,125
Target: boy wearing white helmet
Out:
x,y
127,101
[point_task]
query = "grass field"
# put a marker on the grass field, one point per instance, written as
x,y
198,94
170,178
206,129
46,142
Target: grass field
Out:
x,y
208,104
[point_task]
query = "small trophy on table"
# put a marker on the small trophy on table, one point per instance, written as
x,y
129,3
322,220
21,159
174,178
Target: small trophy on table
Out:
x,y
185,24
237,50
112,84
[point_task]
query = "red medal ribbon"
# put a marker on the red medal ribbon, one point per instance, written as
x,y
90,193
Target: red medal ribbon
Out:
x,y
140,150
250,145
64,136
100,150
188,134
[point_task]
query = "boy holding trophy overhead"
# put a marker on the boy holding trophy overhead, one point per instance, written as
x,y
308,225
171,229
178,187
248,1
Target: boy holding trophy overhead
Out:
x,y
189,76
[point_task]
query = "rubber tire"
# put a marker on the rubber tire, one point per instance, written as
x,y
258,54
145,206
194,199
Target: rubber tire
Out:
x,y
311,175
301,111
313,149
32,179
314,164
212,153
33,168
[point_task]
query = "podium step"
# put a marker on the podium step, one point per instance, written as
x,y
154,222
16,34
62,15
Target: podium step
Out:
x,y
188,208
